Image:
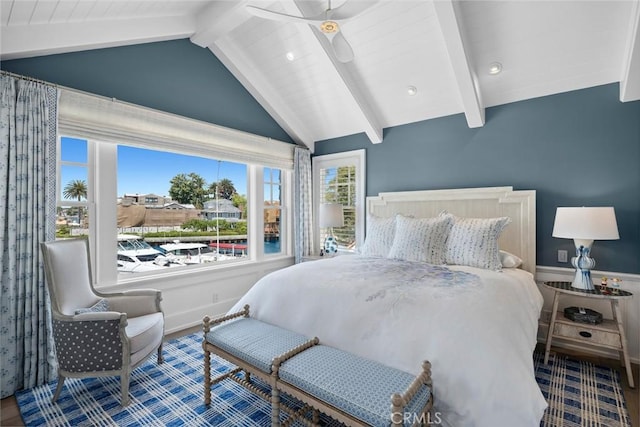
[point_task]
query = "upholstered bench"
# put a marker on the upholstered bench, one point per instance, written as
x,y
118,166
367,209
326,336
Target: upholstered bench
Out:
x,y
355,390
249,344
351,389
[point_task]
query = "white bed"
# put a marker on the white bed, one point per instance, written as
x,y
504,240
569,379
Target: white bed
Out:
x,y
476,326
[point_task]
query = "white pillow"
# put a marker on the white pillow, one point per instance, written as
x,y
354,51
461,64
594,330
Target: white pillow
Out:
x,y
421,239
474,242
509,260
379,237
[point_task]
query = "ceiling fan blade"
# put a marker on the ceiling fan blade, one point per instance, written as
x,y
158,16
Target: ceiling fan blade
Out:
x,y
277,16
342,48
350,9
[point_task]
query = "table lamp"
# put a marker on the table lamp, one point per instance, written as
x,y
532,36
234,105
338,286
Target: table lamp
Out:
x,y
331,216
584,225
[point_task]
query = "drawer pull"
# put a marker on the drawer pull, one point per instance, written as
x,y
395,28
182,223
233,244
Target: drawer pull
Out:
x,y
585,334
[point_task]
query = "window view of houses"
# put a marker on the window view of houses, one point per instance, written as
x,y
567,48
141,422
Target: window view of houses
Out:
x,y
197,213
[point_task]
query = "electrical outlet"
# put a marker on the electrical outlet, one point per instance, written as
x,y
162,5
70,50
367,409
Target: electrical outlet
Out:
x,y
562,256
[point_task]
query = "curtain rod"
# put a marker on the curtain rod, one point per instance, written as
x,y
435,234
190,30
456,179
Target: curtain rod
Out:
x,y
31,79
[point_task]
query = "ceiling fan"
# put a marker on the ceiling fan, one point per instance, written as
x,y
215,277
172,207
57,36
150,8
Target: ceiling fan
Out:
x,y
328,22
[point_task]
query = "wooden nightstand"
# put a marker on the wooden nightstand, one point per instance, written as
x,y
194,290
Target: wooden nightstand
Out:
x,y
608,334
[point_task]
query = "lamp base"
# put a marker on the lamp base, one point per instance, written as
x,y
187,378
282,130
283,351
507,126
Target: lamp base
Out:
x,y
330,246
583,264
582,280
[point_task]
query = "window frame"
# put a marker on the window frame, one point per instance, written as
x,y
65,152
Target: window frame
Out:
x,y
355,158
106,123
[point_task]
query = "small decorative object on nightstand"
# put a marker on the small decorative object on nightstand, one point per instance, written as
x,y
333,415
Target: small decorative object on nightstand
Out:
x,y
608,334
584,225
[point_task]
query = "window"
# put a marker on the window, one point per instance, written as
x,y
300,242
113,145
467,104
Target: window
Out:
x,y
339,178
74,190
272,210
165,193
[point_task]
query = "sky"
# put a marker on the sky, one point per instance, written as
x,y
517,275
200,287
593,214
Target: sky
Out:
x,y
148,171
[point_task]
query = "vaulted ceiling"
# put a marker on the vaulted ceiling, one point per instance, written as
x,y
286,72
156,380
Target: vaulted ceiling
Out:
x,y
412,59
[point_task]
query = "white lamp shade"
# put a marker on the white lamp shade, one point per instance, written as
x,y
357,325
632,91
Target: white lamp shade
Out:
x,y
586,223
331,215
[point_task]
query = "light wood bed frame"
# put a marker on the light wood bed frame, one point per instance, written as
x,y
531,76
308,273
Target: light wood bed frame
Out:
x,y
518,238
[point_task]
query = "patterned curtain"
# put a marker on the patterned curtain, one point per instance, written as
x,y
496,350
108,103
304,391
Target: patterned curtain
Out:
x,y
28,122
303,203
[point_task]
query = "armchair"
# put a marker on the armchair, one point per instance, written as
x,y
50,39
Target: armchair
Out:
x,y
95,333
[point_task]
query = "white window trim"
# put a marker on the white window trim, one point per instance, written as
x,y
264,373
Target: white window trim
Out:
x,y
346,158
108,122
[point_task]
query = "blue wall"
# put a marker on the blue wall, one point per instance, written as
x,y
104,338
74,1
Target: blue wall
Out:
x,y
575,149
174,76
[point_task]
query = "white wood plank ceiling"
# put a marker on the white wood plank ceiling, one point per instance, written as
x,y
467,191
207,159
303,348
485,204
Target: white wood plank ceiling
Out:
x,y
440,50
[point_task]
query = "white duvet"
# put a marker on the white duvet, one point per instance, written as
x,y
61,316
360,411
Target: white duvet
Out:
x,y
477,327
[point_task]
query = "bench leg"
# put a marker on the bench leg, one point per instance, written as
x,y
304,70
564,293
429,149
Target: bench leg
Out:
x,y
207,377
275,407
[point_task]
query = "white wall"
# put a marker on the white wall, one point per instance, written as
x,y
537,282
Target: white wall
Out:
x,y
188,297
630,307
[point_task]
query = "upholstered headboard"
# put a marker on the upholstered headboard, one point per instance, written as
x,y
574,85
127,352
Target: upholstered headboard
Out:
x,y
518,238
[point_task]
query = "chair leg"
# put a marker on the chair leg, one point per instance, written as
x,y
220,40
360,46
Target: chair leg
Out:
x,y
58,388
160,356
124,387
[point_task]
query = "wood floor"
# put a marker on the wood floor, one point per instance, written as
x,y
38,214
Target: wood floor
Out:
x,y
10,414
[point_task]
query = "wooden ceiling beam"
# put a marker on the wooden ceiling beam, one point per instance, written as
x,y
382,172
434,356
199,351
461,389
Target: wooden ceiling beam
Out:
x,y
217,20
630,81
460,63
24,41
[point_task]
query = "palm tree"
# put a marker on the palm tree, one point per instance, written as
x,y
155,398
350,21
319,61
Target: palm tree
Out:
x,y
76,189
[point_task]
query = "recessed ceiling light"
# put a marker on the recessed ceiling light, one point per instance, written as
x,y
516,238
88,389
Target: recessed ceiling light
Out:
x,y
412,90
495,68
290,56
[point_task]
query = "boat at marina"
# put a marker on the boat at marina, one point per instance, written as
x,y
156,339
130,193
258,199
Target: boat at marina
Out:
x,y
191,253
135,255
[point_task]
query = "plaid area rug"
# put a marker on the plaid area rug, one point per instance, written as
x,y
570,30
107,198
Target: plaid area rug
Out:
x,y
579,394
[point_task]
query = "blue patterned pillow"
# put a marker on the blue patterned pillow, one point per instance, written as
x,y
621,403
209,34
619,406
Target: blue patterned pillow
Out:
x,y
474,242
379,238
102,305
421,239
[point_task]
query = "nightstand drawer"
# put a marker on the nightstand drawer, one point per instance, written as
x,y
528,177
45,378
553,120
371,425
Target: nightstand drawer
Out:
x,y
587,334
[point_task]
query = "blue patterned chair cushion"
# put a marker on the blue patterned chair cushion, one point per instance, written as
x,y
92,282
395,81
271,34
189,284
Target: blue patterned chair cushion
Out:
x,y
101,305
357,386
253,341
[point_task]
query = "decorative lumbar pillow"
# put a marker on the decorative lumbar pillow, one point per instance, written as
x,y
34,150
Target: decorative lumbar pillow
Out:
x,y
509,260
102,305
379,238
421,239
474,242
